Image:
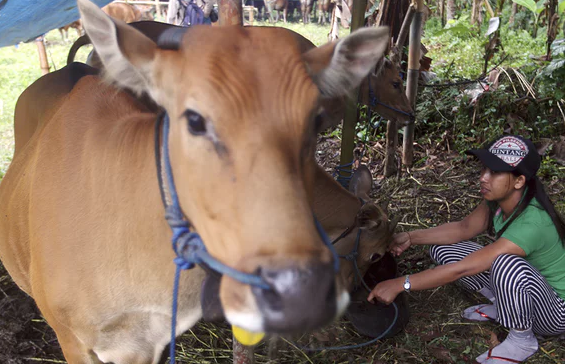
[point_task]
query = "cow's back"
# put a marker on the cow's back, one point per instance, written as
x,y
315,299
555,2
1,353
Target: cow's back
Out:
x,y
42,98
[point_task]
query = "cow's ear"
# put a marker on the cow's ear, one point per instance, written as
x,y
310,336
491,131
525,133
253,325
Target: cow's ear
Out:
x,y
339,67
126,53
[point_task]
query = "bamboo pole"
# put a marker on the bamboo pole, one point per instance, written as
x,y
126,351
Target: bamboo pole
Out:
x,y
350,117
401,39
43,63
413,75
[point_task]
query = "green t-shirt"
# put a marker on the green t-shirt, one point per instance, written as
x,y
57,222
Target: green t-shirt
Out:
x,y
535,233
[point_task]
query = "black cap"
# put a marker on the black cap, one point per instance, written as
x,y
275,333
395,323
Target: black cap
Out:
x,y
508,154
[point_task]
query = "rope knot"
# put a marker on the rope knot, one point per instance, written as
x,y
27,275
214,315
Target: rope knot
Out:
x,y
183,264
187,245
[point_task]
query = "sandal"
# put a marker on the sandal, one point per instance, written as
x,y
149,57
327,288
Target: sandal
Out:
x,y
490,356
480,313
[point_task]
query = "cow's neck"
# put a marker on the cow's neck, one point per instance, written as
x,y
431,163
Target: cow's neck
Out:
x,y
334,206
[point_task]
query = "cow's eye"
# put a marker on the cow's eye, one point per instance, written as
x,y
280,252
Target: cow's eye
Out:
x,y
396,85
196,122
375,257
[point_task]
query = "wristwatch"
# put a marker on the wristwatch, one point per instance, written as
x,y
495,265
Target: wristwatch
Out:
x,y
407,284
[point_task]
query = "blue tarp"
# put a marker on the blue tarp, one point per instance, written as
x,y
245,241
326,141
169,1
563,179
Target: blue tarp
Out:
x,y
23,20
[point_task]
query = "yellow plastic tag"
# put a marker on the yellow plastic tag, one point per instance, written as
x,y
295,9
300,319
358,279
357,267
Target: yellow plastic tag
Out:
x,y
246,337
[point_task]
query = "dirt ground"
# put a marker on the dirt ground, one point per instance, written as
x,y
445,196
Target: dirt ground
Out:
x,y
441,187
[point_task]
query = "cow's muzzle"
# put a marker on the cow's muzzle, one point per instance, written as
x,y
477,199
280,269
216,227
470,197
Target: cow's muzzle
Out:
x,y
300,299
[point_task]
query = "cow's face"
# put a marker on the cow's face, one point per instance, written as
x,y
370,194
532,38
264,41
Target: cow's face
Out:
x,y
387,95
242,139
371,234
375,236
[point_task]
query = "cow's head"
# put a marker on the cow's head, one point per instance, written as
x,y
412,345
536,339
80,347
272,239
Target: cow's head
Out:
x,y
375,231
385,93
242,138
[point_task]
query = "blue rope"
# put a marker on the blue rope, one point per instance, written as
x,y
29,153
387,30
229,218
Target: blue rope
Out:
x,y
352,257
344,180
348,347
172,346
375,101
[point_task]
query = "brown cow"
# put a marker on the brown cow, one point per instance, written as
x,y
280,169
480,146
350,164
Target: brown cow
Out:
x,y
344,213
65,30
325,8
278,6
306,9
82,226
125,12
340,212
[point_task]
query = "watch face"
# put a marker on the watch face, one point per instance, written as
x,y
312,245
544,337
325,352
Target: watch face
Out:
x,y
407,285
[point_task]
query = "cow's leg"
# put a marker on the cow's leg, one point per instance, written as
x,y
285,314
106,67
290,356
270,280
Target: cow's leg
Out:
x,y
285,11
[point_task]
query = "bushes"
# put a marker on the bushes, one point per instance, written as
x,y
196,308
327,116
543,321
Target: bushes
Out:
x,y
458,54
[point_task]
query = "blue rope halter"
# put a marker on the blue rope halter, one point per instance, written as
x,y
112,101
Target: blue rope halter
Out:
x,y
375,101
188,245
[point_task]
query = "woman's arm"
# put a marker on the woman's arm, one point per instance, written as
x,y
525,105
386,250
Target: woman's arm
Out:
x,y
472,225
474,263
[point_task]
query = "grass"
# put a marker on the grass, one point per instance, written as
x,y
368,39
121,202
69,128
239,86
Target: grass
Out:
x,y
437,191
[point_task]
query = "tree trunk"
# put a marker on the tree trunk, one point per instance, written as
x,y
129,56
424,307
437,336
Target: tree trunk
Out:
x,y
450,10
476,12
441,11
391,14
513,14
552,28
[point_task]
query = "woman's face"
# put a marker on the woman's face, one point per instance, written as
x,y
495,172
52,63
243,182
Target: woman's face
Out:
x,y
498,186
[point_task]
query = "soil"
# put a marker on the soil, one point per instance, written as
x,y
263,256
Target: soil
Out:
x,y
24,335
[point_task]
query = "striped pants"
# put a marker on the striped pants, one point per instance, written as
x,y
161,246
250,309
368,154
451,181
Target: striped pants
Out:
x,y
524,299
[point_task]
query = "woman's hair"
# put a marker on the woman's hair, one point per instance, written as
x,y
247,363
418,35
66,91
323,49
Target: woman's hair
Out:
x,y
534,189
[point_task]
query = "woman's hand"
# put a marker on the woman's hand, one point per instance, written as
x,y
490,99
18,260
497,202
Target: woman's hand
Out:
x,y
400,242
386,291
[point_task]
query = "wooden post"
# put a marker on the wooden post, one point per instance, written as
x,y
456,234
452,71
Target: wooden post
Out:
x,y
243,354
350,117
392,126
251,15
231,12
412,82
44,64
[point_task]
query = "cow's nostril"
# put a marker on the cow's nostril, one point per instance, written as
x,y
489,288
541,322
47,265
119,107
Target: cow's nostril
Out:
x,y
271,298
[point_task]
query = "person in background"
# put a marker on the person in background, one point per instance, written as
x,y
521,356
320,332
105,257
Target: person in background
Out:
x,y
191,12
522,273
